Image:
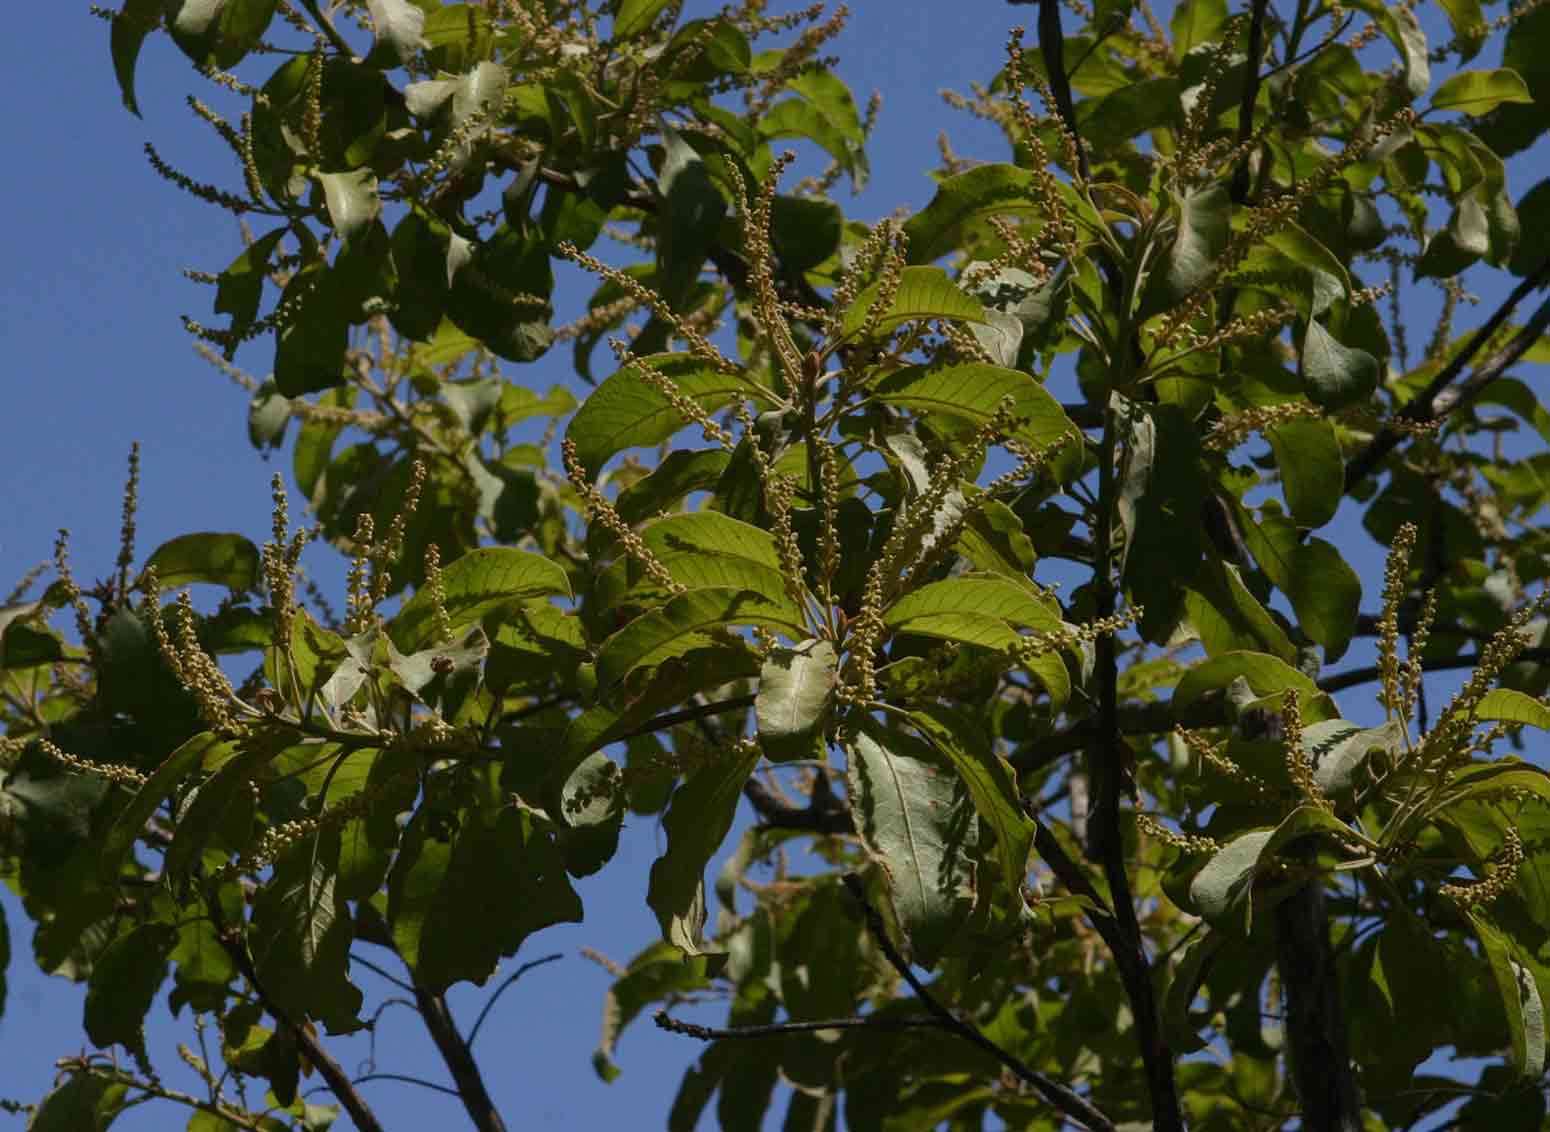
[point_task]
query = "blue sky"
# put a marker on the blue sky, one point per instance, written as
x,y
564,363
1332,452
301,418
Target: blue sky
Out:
x,y
96,359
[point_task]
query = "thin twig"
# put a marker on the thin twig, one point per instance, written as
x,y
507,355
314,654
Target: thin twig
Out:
x,y
407,1080
673,1025
687,715
376,970
1430,404
484,1013
1060,1097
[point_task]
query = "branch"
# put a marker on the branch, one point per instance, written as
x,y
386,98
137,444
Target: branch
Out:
x,y
1352,677
687,715
407,1080
459,1059
333,1074
1239,190
473,1034
824,813
1052,46
1058,1096
672,1025
1432,403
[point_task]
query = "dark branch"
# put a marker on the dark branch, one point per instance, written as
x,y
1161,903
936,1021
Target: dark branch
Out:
x,y
1433,403
687,715
404,1078
459,1059
824,813
381,972
473,1034
1052,46
1058,1096
672,1025
1355,676
1239,189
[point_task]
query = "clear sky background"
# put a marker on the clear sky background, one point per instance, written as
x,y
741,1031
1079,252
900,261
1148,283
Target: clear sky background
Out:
x,y
94,358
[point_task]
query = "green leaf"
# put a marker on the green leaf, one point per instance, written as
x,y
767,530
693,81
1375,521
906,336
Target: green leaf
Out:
x,y
1334,375
1466,19
990,784
1519,994
130,823
218,559
351,199
1228,618
985,190
804,231
399,26
631,17
1324,591
310,346
1466,238
1195,22
1534,215
1479,92
910,813
626,411
218,33
1511,706
131,24
696,823
1181,1030
702,549
656,974
972,392
1308,457
1161,498
1266,675
924,293
1226,880
84,1102
475,585
795,689
1403,30
687,622
973,609
124,982
691,212
1205,222
1340,750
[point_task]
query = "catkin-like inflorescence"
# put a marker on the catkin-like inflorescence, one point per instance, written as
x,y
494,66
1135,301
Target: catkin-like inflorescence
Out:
x,y
600,510
1299,767
1501,873
1395,586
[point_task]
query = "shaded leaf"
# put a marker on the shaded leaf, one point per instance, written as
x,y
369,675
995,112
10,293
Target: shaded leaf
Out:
x,y
1478,92
688,621
228,560
124,983
1519,996
795,689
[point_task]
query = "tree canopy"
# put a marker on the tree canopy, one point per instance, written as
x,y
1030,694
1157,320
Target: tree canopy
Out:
x,y
997,559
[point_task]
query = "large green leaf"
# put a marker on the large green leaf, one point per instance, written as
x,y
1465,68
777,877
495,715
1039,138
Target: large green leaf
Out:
x,y
1307,455
1511,706
228,560
626,411
477,584
698,819
1204,227
962,198
1478,92
973,392
990,784
974,609
1196,22
795,689
690,214
218,33
1228,617
1324,591
124,982
911,813
1335,375
923,293
688,621
1520,996
351,199
1266,675
83,1102
1340,750
130,823
1225,881
131,24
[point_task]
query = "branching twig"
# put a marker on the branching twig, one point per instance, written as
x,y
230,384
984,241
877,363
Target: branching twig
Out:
x,y
484,1013
404,1078
1432,403
1062,1098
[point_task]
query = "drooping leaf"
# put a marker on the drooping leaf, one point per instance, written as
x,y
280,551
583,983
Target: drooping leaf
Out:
x,y
1312,471
130,824
990,784
697,820
795,689
400,27
1324,591
351,199
685,623
1479,92
657,972
1195,22
131,24
124,983
1266,675
1227,617
1334,375
478,583
83,1102
1519,993
923,293
912,815
627,411
228,560
973,392
1512,706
